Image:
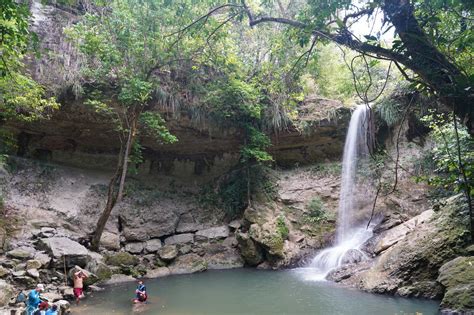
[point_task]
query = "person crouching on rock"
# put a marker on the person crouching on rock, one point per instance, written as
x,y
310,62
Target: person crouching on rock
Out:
x,y
140,293
34,299
78,284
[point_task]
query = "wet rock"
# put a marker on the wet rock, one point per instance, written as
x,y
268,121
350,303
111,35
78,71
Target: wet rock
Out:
x,y
353,256
65,251
398,233
457,276
101,270
189,263
250,251
121,259
110,241
180,239
168,252
422,289
158,272
153,245
225,258
64,306
213,233
7,292
135,247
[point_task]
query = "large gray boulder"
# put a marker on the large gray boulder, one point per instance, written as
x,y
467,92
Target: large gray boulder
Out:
x,y
168,252
250,251
457,276
151,222
153,245
122,259
22,252
189,263
187,224
213,233
110,241
222,257
134,247
65,251
180,239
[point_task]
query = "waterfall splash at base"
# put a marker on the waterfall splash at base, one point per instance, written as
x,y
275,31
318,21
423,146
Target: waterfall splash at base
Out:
x,y
350,235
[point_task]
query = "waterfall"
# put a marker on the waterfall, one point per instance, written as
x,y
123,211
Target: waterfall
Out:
x,y
349,236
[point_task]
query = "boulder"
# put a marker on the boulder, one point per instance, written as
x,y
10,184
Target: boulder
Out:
x,y
19,273
119,278
168,252
399,232
43,258
110,241
158,273
122,259
33,264
153,245
213,233
142,224
457,276
22,252
269,237
25,281
224,258
180,239
186,264
249,250
64,306
101,270
7,292
33,273
65,251
135,247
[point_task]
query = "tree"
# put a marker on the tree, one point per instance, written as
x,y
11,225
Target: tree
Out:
x,y
433,58
123,45
21,97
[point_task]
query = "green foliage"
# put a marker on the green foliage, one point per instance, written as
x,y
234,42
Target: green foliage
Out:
x,y
327,169
447,174
154,125
316,211
21,98
390,111
282,229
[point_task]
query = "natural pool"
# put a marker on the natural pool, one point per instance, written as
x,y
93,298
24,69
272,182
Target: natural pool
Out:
x,y
248,291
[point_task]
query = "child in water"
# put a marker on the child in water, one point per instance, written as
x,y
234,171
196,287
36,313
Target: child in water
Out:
x,y
140,293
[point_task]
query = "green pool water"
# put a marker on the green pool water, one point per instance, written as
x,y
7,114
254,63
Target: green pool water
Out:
x,y
248,291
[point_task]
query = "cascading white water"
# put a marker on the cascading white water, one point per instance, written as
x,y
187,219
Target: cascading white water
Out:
x,y
349,237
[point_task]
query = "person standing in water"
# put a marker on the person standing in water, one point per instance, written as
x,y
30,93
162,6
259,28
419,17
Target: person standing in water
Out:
x,y
140,293
78,284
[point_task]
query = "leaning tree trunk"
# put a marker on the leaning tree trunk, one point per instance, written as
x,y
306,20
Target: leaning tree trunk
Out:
x,y
114,196
453,87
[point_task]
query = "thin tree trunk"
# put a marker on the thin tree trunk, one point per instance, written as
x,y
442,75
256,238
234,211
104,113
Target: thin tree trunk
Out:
x,y
113,196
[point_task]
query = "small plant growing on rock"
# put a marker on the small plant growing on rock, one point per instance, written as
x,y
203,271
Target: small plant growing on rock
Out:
x,y
282,228
316,211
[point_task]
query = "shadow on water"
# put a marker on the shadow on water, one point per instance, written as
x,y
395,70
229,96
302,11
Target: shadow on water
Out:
x,y
248,291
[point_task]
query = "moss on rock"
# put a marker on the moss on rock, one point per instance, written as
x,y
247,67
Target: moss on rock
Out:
x,y
457,276
122,259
